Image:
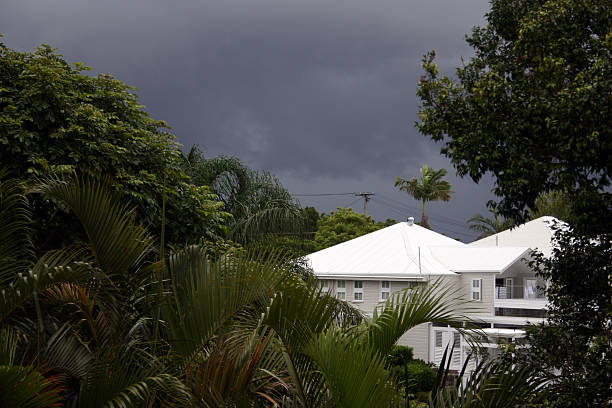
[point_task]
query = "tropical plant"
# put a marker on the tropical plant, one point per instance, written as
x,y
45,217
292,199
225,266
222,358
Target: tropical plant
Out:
x,y
430,187
98,324
489,226
259,204
495,383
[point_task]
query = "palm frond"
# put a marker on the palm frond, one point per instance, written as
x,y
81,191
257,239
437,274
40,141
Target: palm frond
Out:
x,y
16,251
130,377
26,387
354,371
116,241
409,308
208,294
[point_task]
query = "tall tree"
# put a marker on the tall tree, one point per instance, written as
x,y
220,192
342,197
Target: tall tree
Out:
x,y
533,108
430,187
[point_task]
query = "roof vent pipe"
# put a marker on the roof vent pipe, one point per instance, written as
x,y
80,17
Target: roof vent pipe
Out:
x,y
410,220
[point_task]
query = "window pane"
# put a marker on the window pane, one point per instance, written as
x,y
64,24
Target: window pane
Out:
x,y
385,295
438,338
358,284
358,296
475,296
456,339
341,295
385,284
475,283
341,284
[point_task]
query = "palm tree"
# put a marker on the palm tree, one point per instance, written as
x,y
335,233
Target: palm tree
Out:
x,y
430,187
489,226
259,204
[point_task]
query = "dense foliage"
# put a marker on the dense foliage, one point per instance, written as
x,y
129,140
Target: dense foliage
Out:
x,y
54,119
533,108
342,225
97,324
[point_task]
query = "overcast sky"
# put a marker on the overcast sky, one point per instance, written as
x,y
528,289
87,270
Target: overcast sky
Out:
x,y
320,93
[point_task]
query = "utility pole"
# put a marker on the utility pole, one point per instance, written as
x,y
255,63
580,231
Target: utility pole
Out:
x,y
366,198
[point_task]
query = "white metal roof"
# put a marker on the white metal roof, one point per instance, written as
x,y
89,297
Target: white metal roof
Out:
x,y
476,259
407,251
536,234
391,252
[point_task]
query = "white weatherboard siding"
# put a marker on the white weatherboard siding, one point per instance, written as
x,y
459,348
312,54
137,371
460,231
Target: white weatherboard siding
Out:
x,y
417,338
487,292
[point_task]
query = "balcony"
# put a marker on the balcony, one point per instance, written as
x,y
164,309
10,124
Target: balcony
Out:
x,y
527,296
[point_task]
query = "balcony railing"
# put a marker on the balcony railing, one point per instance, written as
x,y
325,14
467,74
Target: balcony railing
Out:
x,y
525,292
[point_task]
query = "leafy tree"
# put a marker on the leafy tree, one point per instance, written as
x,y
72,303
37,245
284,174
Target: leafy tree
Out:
x,y
56,119
430,187
259,204
489,226
533,108
343,225
574,346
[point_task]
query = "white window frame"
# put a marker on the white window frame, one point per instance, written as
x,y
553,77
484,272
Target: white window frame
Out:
x,y
476,290
341,289
385,292
358,291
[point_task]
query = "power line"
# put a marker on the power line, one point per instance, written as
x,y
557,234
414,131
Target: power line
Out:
x,y
449,220
321,194
446,229
435,218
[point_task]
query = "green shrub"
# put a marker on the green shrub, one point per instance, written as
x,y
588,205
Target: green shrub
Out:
x,y
400,356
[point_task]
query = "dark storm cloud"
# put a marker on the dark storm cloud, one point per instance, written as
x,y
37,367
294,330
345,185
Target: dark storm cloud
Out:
x,y
321,93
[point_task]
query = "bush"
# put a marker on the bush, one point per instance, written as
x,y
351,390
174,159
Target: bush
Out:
x,y
400,356
416,376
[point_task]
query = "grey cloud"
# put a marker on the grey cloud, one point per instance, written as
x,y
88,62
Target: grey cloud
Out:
x,y
320,92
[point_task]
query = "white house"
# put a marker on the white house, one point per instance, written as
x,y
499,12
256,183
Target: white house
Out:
x,y
490,274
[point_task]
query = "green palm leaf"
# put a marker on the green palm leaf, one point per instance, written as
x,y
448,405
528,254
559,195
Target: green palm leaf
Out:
x,y
115,240
131,377
411,307
354,372
16,250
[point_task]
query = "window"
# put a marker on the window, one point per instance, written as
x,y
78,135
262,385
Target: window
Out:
x,y
358,291
324,285
438,338
476,289
341,289
385,289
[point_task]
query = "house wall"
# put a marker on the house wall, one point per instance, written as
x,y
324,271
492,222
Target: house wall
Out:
x,y
418,339
487,293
